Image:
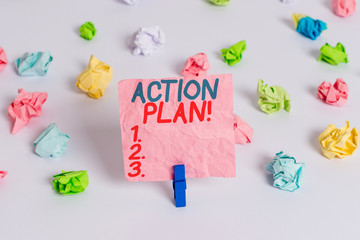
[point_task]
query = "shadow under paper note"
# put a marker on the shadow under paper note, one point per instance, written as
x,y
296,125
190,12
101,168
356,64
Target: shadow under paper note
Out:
x,y
312,91
129,42
262,167
82,65
327,4
315,53
166,189
179,66
314,142
252,96
106,140
288,22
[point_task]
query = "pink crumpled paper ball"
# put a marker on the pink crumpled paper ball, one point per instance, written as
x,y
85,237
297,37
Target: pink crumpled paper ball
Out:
x,y
3,59
25,106
344,8
2,174
336,94
243,132
196,65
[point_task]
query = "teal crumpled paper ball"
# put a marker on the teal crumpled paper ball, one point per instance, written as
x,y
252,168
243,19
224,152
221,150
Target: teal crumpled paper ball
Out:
x,y
34,64
287,173
51,143
310,28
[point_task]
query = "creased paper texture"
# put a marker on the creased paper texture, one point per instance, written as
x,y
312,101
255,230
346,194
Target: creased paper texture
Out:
x,y
148,39
287,173
333,55
220,2
3,174
3,59
24,107
340,142
72,182
336,94
196,65
234,54
131,2
51,142
307,26
344,8
172,121
33,64
87,30
272,98
95,78
243,131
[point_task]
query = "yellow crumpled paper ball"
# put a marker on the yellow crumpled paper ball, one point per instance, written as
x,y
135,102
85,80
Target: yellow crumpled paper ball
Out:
x,y
339,142
95,78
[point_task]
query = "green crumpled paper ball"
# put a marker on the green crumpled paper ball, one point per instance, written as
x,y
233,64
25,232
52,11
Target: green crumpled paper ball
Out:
x,y
72,182
220,2
87,30
233,54
333,55
272,98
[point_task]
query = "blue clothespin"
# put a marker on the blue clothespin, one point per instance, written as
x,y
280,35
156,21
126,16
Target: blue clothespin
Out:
x,y
179,185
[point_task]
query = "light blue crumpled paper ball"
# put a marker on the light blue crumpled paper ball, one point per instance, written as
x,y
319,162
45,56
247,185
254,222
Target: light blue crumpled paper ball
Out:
x,y
288,175
34,64
51,143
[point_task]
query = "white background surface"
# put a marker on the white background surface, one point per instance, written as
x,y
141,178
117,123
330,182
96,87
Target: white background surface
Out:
x,y
245,207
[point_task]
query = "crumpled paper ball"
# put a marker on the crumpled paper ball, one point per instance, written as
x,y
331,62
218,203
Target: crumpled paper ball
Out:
x,y
3,174
344,8
287,173
307,26
333,55
339,142
272,98
87,30
131,2
95,78
72,182
243,132
25,106
51,142
336,94
196,65
233,54
34,64
3,59
148,39
220,2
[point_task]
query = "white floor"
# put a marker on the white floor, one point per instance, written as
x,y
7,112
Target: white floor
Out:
x,y
245,207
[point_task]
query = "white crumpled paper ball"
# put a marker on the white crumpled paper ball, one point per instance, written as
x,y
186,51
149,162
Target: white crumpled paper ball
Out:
x,y
131,2
147,40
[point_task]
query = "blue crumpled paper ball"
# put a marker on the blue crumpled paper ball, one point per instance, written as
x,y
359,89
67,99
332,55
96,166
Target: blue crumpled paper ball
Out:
x,y
287,173
34,64
51,143
310,28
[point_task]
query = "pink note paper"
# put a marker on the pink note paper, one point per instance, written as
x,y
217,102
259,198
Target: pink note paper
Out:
x,y
187,120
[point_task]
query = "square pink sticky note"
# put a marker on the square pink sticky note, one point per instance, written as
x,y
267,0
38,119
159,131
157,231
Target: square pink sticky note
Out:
x,y
170,121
